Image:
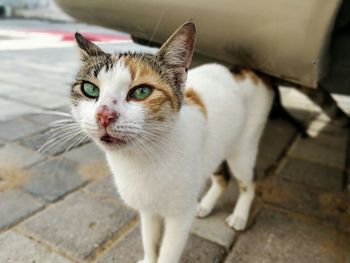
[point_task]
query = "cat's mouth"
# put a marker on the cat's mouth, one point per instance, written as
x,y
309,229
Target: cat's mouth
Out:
x,y
108,139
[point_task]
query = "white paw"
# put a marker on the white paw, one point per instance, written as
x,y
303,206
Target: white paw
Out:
x,y
237,222
202,211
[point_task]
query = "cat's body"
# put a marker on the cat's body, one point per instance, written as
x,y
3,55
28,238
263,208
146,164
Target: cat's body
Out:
x,y
164,135
235,114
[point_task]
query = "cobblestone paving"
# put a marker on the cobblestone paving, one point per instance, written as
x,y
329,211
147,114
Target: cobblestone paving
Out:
x,y
63,207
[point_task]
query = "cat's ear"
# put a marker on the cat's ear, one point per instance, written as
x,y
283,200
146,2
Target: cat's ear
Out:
x,y
177,51
87,48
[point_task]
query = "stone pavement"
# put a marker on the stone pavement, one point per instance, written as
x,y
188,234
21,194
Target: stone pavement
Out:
x,y
63,207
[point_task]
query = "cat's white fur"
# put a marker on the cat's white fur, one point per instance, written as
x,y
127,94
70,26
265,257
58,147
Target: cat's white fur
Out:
x,y
163,181
168,189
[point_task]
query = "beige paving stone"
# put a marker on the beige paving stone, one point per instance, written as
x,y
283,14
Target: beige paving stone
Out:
x,y
16,248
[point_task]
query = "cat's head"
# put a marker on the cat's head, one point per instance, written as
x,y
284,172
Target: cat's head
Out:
x,y
128,99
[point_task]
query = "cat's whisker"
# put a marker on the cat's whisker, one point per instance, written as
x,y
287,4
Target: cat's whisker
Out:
x,y
58,145
52,112
63,128
56,133
62,122
78,141
56,140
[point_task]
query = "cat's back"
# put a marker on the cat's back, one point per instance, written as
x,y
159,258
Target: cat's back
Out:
x,y
215,85
218,87
209,74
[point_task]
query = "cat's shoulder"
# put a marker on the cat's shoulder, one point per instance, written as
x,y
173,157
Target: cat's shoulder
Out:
x,y
210,68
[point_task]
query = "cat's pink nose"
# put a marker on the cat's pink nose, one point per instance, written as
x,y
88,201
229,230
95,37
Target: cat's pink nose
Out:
x,y
105,116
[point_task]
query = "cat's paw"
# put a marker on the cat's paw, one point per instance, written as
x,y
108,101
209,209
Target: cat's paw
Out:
x,y
202,211
237,222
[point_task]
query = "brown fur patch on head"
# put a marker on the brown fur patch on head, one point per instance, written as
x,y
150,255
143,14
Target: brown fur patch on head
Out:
x,y
163,98
193,98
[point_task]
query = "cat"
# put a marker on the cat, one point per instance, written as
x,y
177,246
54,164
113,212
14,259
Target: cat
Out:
x,y
166,129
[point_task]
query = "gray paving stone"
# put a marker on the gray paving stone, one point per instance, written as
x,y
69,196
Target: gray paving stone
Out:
x,y
105,189
40,99
330,207
199,250
79,224
129,250
10,109
276,137
9,88
15,206
53,179
92,161
312,174
43,119
87,153
16,248
18,128
55,147
14,155
324,149
214,228
281,238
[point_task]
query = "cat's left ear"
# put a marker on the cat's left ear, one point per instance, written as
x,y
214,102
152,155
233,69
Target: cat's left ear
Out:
x,y
87,48
177,51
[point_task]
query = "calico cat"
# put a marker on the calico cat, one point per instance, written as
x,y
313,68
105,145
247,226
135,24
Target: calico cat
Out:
x,y
165,130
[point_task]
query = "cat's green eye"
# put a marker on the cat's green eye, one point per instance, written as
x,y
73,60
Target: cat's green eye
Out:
x,y
90,90
141,92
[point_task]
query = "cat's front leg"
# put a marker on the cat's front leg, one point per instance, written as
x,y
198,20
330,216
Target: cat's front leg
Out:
x,y
175,237
151,226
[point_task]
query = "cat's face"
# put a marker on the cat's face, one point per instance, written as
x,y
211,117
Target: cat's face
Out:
x,y
131,99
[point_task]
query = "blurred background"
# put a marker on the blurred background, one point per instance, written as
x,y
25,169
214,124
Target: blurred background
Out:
x,y
59,204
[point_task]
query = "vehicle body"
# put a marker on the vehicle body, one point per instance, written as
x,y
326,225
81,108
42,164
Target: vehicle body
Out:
x,y
302,42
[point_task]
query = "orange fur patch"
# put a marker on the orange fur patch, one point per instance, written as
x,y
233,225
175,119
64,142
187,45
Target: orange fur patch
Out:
x,y
143,74
156,101
192,98
243,74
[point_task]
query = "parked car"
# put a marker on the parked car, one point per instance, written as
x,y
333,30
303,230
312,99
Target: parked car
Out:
x,y
301,42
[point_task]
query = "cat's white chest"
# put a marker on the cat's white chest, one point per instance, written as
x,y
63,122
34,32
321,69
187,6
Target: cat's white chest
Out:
x,y
163,189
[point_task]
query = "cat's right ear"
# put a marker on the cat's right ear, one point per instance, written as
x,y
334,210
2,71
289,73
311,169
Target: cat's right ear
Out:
x,y
87,48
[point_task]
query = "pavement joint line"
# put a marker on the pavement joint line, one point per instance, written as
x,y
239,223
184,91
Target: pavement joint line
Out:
x,y
318,163
251,223
46,205
45,244
272,170
226,250
14,225
301,216
116,237
112,201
